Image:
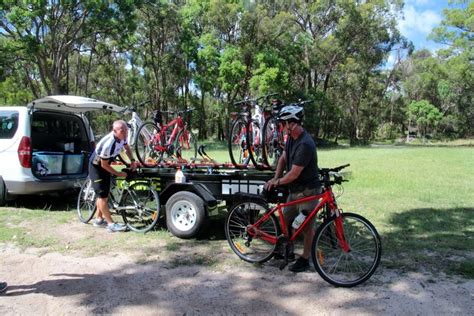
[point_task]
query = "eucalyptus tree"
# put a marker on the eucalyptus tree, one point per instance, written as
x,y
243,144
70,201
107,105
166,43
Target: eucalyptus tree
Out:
x,y
45,33
456,88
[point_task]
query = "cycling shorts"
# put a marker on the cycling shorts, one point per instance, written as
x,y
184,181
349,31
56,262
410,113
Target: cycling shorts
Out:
x,y
100,180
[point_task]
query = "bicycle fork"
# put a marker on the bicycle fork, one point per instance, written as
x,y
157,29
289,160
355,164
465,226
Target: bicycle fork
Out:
x,y
341,238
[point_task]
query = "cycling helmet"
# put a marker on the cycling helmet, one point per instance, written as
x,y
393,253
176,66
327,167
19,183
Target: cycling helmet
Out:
x,y
291,112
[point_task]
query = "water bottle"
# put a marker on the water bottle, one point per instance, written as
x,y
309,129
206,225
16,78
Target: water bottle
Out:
x,y
179,176
299,219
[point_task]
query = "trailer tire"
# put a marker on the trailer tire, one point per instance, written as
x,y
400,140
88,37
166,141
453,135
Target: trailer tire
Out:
x,y
185,214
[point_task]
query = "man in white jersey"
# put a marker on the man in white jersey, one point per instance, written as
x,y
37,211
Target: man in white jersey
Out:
x,y
100,171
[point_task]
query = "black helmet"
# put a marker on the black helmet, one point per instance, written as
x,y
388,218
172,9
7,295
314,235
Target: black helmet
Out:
x,y
291,112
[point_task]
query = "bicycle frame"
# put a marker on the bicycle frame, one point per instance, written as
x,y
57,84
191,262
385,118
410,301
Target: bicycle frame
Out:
x,y
325,198
135,122
178,126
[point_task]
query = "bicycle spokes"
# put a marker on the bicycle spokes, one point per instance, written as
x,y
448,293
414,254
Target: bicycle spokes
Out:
x,y
240,232
340,264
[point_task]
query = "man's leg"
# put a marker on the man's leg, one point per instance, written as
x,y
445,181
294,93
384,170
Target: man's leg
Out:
x,y
308,234
103,209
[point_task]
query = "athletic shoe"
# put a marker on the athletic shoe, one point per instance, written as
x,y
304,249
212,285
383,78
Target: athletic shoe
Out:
x,y
99,222
300,265
3,286
116,227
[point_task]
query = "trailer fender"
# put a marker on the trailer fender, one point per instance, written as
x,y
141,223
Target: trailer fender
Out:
x,y
196,188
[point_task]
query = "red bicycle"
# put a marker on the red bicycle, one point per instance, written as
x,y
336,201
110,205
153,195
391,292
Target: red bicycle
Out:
x,y
346,247
172,142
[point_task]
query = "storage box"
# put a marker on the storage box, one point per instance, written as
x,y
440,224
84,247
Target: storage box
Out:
x,y
47,163
72,164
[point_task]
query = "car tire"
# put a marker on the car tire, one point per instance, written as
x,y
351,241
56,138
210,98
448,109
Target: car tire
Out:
x,y
185,214
3,192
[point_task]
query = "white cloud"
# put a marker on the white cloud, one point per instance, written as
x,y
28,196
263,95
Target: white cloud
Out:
x,y
418,21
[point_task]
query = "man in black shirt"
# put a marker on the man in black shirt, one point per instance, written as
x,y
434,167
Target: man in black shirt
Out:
x,y
301,163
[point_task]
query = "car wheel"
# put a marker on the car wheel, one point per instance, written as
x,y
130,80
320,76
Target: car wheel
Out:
x,y
3,192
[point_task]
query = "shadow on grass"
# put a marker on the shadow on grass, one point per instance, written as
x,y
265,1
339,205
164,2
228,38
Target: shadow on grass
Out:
x,y
214,231
432,239
64,201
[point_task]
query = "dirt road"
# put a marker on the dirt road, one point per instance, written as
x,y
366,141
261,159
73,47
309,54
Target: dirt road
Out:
x,y
54,284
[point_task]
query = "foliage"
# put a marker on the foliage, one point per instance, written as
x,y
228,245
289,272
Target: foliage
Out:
x,y
425,114
208,54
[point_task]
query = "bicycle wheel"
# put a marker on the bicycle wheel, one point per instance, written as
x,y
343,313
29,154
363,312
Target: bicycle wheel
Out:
x,y
86,202
238,144
346,269
141,207
147,143
186,144
273,143
248,248
254,136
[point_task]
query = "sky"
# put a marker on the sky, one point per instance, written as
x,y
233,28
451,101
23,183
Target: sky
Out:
x,y
420,17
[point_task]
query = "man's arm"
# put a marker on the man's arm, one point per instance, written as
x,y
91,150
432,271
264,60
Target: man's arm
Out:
x,y
278,172
280,166
104,163
291,176
128,151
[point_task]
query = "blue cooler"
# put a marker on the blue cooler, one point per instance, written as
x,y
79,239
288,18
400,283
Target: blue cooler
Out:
x,y
73,163
47,163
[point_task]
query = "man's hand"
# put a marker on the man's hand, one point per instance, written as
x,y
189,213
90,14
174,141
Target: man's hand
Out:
x,y
121,175
270,184
134,165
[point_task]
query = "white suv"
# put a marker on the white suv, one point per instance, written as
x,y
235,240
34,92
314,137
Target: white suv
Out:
x,y
44,146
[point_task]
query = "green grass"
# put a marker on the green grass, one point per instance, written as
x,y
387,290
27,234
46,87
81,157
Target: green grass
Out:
x,y
420,199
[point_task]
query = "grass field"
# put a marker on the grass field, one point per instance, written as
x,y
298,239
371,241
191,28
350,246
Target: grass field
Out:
x,y
420,199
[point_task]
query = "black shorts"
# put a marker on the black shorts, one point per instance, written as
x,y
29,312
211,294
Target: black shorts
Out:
x,y
100,180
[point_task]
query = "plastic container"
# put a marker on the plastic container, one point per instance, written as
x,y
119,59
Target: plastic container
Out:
x,y
73,164
179,177
299,219
47,163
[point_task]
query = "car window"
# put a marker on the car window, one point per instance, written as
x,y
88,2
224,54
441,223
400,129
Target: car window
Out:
x,y
8,124
51,131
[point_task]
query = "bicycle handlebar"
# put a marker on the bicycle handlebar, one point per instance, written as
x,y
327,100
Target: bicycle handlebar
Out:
x,y
326,172
180,112
336,169
255,100
133,108
301,103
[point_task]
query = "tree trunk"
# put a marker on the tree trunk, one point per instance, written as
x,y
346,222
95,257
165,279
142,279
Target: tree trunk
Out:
x,y
202,114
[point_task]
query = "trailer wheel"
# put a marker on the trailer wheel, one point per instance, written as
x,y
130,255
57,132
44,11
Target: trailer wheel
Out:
x,y
185,214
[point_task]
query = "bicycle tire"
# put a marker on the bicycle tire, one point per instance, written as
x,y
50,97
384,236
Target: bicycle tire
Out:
x,y
86,206
273,143
250,249
187,142
346,269
142,207
145,145
237,144
255,150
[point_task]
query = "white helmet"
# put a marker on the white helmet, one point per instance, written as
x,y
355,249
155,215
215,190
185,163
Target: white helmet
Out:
x,y
291,112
